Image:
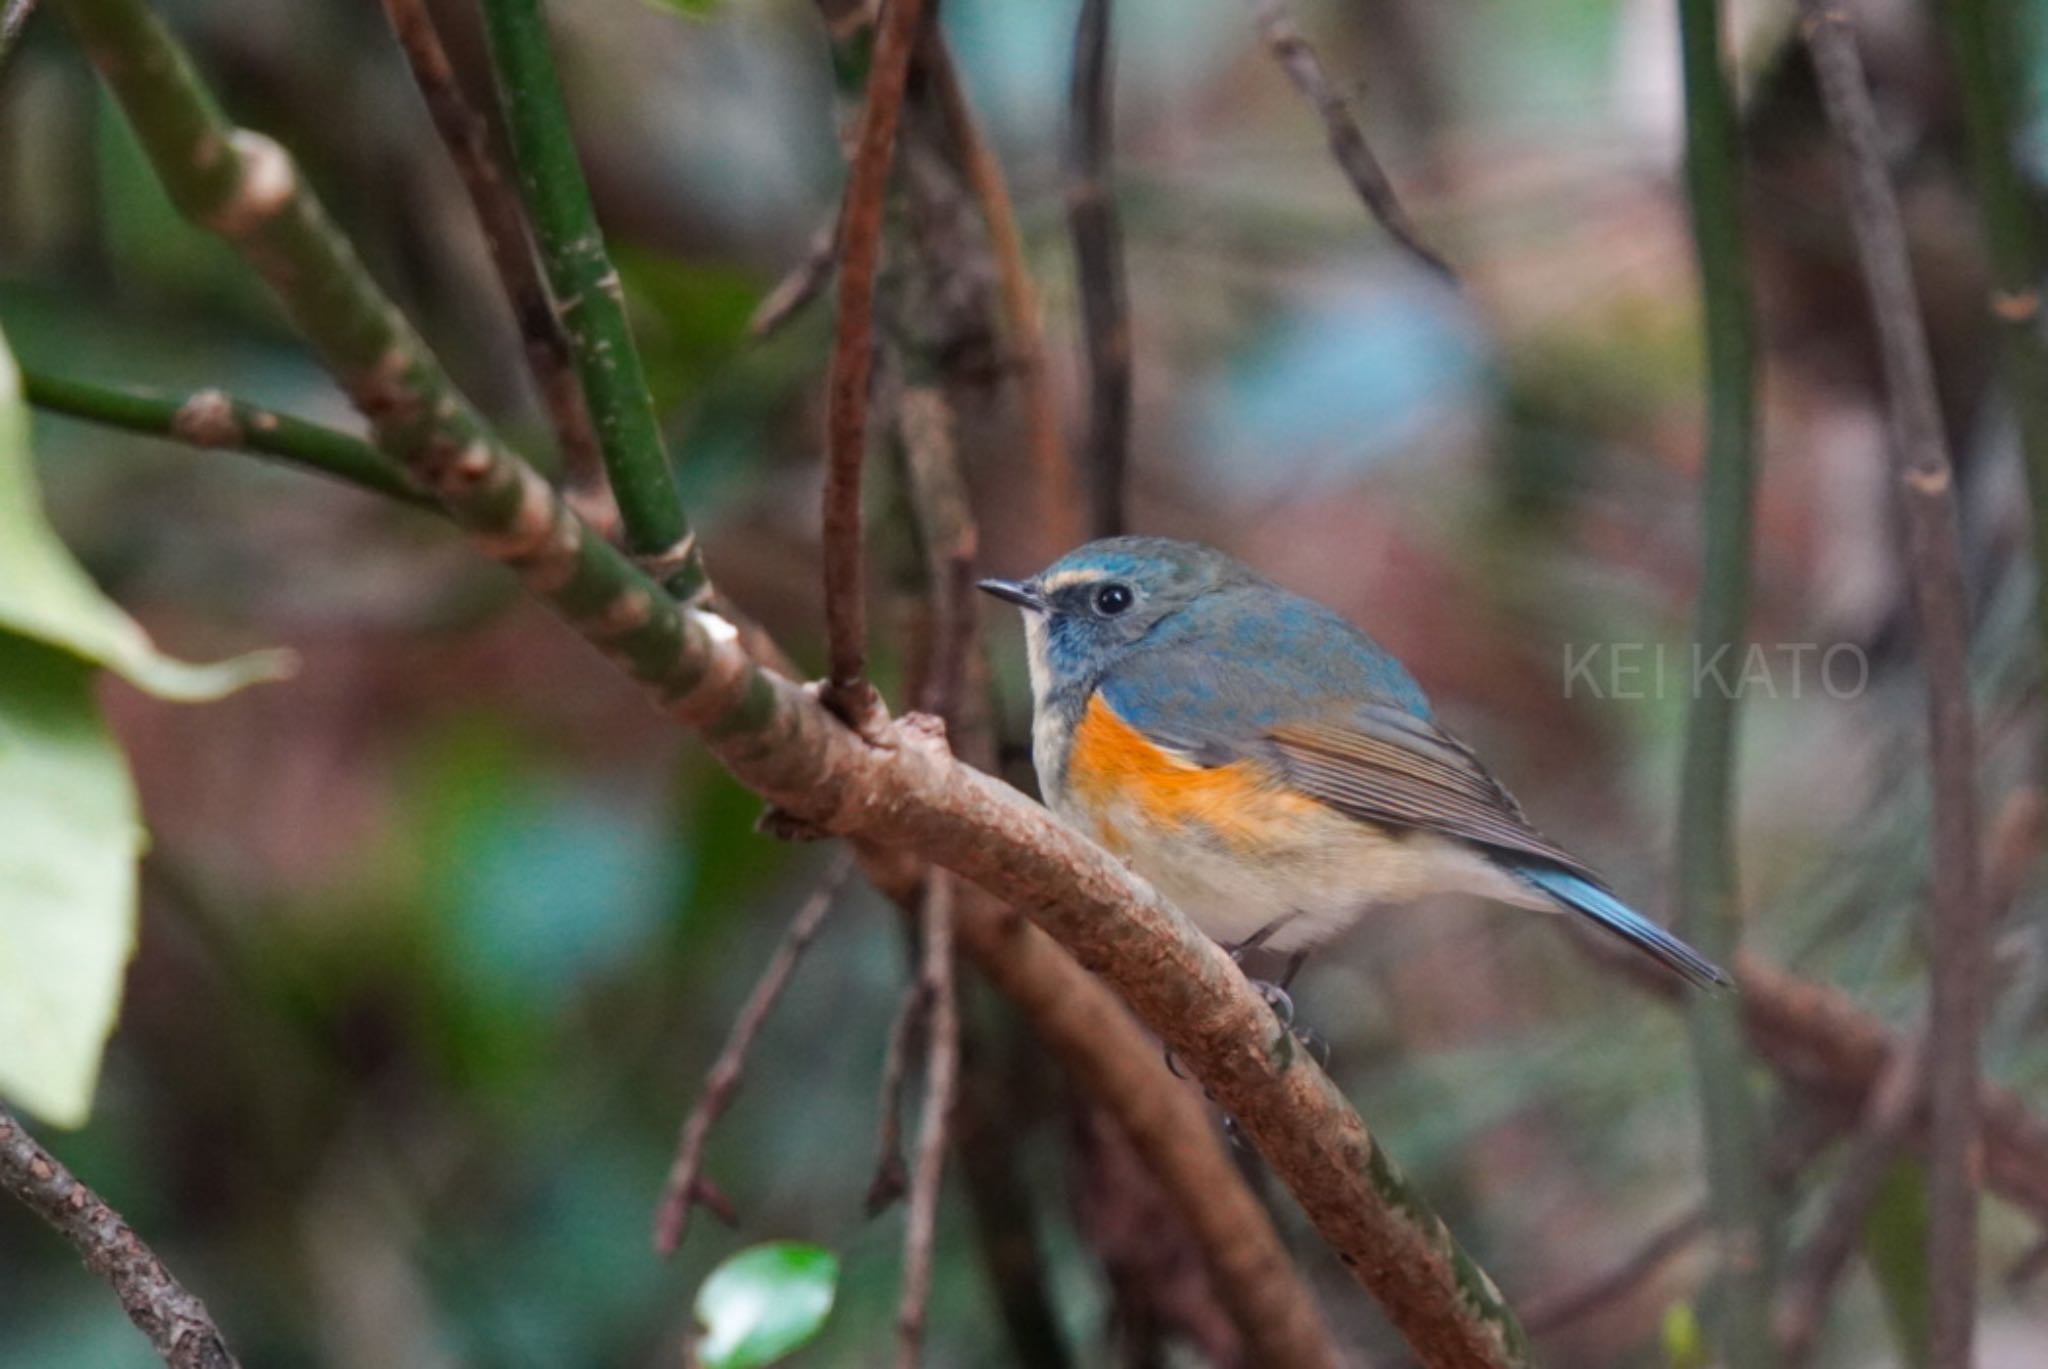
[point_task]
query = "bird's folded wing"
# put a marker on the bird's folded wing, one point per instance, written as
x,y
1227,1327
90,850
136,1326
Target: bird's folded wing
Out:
x,y
1381,763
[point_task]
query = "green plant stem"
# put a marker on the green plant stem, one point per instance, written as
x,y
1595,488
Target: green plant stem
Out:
x,y
208,418
1746,1236
1983,48
587,292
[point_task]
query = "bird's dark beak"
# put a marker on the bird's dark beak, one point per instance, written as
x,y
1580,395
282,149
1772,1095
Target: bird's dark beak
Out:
x,y
1019,592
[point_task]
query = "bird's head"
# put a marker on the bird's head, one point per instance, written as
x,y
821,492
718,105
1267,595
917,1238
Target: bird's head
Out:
x,y
1104,598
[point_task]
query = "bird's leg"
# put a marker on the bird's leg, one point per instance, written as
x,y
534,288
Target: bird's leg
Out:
x,y
1274,994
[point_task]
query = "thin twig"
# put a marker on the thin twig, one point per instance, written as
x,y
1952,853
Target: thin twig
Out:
x,y
1546,1312
853,344
906,1034
176,1322
1796,1145
802,283
946,528
686,1186
1882,1130
588,294
1348,147
1093,224
1743,1215
499,214
1958,931
941,1079
1057,515
208,418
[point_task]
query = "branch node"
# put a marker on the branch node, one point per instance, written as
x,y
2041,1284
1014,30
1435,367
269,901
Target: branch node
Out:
x,y
265,183
207,419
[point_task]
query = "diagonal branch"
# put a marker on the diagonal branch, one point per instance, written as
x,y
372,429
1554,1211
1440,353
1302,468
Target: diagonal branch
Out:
x,y
163,1309
588,294
1099,267
1348,147
467,137
1957,934
686,1187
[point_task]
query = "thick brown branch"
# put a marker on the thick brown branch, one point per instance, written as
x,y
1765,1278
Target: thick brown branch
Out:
x,y
467,137
1099,266
853,354
1083,1025
1348,147
175,1321
941,1079
686,1186
1957,934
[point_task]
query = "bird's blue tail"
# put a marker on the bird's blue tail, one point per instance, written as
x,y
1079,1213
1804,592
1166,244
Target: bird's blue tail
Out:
x,y
1617,917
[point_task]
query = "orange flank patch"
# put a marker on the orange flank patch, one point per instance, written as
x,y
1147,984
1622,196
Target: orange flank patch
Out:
x,y
1116,774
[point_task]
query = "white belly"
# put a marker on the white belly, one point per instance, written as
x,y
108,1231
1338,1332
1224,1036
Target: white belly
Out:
x,y
1337,872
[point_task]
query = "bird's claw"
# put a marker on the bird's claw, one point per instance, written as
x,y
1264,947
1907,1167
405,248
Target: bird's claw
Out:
x,y
1277,999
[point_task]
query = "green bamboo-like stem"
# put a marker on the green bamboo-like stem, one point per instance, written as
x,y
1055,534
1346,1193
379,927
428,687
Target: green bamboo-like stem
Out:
x,y
1984,48
901,788
1707,908
208,418
587,292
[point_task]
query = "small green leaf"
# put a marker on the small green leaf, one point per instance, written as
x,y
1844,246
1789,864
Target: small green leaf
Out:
x,y
69,838
763,1303
1685,1341
45,594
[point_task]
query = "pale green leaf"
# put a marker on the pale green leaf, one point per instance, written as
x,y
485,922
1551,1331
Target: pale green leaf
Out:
x,y
45,594
764,1303
69,838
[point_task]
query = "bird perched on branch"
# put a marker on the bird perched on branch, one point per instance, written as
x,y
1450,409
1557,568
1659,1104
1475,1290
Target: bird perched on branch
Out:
x,y
1267,766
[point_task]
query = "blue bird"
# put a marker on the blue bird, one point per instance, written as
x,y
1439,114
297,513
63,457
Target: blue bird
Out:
x,y
1267,766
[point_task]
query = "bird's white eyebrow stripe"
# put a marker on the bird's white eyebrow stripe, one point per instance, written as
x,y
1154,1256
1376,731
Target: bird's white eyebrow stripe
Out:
x,y
1065,578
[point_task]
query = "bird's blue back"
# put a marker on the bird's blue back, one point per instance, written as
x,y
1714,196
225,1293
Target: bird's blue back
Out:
x,y
1244,659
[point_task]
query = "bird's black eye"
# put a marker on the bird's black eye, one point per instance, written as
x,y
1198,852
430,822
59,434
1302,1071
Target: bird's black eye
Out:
x,y
1113,599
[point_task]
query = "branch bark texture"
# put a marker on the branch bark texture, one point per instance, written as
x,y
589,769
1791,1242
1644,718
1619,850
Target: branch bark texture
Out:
x,y
176,1322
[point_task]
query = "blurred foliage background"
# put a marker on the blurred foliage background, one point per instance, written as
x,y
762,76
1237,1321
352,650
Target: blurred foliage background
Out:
x,y
439,937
